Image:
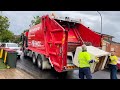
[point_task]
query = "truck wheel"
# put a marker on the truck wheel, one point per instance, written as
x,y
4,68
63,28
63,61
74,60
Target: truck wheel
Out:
x,y
39,61
33,58
24,54
18,56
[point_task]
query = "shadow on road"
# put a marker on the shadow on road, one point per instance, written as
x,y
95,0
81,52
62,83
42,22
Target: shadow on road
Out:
x,y
27,65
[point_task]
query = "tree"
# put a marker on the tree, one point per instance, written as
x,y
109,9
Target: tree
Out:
x,y
25,30
6,36
36,20
17,39
4,23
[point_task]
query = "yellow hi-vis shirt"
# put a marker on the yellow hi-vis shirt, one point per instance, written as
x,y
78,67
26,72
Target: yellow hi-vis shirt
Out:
x,y
114,60
84,59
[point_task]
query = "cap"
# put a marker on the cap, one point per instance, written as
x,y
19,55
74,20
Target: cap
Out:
x,y
84,47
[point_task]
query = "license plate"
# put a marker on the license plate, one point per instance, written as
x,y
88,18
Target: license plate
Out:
x,y
71,67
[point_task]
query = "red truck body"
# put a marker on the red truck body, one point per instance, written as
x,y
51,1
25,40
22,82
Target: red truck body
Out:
x,y
53,38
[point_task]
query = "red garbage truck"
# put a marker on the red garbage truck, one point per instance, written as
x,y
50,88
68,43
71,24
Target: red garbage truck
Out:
x,y
49,42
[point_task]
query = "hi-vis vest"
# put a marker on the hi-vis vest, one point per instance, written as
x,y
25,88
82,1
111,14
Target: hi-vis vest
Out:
x,y
84,59
113,60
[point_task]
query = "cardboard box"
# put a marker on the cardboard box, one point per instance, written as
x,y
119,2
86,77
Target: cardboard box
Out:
x,y
94,52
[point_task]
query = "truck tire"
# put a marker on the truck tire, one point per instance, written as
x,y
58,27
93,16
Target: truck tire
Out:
x,y
33,58
24,54
40,61
18,57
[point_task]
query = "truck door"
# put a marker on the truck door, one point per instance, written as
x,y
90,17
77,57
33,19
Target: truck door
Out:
x,y
56,43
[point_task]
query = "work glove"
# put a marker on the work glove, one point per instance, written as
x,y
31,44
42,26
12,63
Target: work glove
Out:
x,y
92,61
96,59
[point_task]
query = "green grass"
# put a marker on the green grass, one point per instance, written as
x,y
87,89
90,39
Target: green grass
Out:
x,y
2,65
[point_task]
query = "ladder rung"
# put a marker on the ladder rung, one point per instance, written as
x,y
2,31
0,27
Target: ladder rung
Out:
x,y
58,42
52,53
56,30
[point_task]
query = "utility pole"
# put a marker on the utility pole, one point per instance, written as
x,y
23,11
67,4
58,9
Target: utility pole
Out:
x,y
101,25
101,21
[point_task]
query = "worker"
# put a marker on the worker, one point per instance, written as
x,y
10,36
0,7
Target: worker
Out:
x,y
113,65
84,60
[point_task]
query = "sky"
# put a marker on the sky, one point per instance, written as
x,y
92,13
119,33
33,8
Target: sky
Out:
x,y
20,20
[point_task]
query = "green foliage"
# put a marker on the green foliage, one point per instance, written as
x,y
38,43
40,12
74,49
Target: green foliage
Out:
x,y
25,30
6,36
4,23
36,20
17,39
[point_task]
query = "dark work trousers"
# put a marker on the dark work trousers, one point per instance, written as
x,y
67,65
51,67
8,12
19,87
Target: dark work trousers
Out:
x,y
85,72
113,71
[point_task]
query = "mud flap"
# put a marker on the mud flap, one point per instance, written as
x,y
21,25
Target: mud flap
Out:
x,y
45,63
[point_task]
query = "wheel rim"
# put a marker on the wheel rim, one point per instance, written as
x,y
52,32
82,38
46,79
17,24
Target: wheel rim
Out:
x,y
39,63
34,59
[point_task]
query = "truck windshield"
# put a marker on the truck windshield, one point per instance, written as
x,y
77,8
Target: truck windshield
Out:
x,y
12,45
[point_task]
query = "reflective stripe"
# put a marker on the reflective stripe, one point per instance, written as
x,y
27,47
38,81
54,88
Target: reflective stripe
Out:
x,y
5,57
1,53
71,67
63,40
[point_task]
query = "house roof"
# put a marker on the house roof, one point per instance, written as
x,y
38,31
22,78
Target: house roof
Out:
x,y
115,42
106,35
111,41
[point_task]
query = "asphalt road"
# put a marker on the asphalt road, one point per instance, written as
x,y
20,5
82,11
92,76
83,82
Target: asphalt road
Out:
x,y
27,65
